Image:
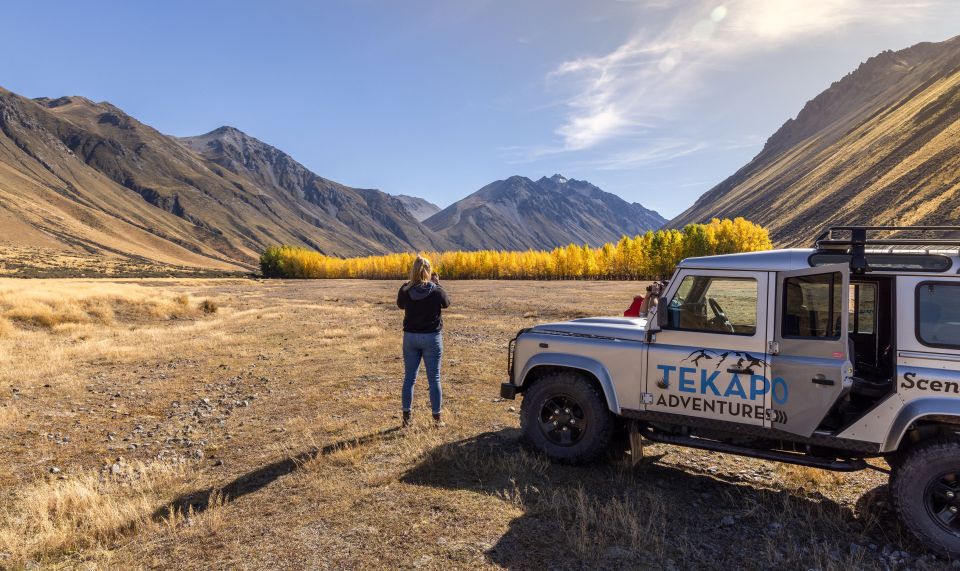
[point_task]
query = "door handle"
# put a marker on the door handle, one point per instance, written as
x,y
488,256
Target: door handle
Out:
x,y
822,381
737,371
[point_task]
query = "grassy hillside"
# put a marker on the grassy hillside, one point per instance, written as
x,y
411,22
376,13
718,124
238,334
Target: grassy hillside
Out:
x,y
881,146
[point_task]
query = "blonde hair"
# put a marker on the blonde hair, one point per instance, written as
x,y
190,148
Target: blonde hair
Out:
x,y
420,271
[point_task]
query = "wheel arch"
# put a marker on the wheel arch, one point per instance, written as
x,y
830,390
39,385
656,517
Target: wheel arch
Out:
x,y
543,363
934,412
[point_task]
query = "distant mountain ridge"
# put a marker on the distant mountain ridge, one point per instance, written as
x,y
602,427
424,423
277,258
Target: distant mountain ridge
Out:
x,y
419,207
880,146
518,213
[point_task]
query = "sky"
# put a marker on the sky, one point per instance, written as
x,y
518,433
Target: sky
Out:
x,y
655,101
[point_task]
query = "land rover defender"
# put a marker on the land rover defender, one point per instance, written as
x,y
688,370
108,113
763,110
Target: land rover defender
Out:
x,y
823,357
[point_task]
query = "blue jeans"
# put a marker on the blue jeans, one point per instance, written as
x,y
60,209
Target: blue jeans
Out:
x,y
429,347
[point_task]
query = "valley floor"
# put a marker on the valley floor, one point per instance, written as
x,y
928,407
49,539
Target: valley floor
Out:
x,y
206,424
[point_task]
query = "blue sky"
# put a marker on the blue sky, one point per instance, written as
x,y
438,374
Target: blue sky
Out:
x,y
656,101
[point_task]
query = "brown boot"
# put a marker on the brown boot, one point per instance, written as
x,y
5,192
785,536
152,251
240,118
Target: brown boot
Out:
x,y
437,421
406,418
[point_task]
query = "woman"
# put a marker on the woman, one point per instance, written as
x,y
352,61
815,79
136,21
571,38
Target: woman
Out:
x,y
422,299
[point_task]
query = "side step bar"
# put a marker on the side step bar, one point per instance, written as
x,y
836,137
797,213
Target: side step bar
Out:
x,y
851,465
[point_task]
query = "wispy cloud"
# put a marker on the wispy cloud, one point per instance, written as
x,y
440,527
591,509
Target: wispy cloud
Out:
x,y
654,152
636,86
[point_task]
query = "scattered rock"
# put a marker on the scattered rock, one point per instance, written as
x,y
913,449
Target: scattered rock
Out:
x,y
899,555
55,470
616,552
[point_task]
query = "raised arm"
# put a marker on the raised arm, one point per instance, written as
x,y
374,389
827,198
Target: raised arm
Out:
x,y
402,297
444,298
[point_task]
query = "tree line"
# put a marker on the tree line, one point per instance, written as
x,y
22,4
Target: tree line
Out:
x,y
646,256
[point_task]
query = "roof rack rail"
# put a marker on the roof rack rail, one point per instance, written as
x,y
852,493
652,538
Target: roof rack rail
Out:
x,y
860,238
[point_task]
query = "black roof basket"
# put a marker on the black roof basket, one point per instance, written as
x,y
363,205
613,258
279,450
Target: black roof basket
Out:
x,y
855,239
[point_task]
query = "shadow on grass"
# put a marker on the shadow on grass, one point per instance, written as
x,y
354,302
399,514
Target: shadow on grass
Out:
x,y
650,516
199,500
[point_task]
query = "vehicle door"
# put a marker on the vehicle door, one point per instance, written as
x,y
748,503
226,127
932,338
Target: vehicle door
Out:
x,y
809,360
708,357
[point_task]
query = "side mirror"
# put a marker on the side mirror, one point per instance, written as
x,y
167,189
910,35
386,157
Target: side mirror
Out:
x,y
655,321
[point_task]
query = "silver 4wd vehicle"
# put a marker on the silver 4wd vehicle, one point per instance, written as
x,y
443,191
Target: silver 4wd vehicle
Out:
x,y
822,357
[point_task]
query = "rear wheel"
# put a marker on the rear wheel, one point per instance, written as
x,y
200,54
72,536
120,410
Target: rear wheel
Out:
x,y
565,416
926,491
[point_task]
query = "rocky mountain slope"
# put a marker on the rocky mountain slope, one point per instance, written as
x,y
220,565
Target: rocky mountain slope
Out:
x,y
880,146
519,213
85,177
419,207
368,215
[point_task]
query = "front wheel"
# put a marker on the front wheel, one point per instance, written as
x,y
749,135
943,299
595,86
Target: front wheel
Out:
x,y
926,492
565,416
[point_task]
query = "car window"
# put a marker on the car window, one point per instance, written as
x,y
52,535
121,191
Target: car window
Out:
x,y
811,306
938,314
714,305
863,308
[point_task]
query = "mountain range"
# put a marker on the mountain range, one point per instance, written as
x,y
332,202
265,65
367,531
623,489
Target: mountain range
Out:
x,y
879,147
519,213
78,176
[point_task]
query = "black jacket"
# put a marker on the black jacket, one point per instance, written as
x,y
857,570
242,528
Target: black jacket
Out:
x,y
422,305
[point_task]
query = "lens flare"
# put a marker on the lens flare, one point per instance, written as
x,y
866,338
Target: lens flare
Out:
x,y
718,13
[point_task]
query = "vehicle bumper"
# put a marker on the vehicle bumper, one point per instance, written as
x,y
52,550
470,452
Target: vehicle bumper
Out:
x,y
508,391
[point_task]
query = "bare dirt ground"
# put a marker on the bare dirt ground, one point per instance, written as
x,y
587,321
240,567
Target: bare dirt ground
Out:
x,y
213,424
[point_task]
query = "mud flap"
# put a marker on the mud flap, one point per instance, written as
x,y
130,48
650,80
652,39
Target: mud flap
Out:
x,y
636,443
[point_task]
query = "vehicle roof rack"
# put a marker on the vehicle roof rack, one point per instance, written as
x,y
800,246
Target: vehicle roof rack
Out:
x,y
834,238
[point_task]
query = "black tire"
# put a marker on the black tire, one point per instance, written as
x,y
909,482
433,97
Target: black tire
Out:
x,y
922,486
582,428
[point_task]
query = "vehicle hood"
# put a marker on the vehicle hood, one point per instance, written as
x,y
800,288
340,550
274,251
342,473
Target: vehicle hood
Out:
x,y
627,328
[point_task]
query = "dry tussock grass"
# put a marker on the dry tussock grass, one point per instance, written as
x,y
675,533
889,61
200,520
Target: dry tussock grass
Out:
x,y
47,304
637,523
804,477
56,517
49,326
8,414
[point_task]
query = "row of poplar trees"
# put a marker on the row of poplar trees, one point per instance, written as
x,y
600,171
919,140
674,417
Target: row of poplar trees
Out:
x,y
647,256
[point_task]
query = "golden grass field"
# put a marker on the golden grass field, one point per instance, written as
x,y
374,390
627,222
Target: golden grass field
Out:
x,y
240,424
